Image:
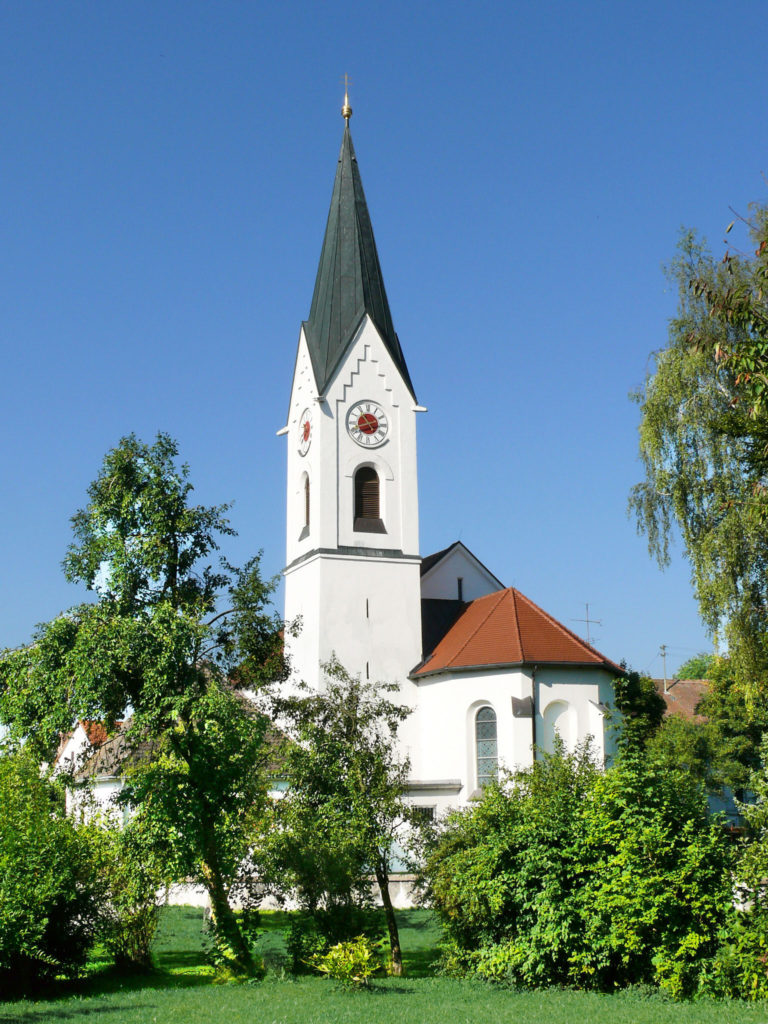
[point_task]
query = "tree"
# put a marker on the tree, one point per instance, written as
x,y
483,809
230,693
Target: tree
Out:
x,y
703,436
173,642
698,667
721,746
641,709
343,811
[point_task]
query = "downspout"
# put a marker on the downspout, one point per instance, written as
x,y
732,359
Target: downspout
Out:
x,y
533,714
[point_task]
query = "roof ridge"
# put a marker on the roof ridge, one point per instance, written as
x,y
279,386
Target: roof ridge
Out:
x,y
516,619
480,624
556,622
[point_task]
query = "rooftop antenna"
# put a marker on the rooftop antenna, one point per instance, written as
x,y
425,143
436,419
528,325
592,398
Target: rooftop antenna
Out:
x,y
593,622
346,110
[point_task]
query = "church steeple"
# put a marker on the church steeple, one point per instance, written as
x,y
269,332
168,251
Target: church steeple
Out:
x,y
349,281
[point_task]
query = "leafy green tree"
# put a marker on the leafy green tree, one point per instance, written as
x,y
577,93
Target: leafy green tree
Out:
x,y
721,747
698,667
657,890
641,709
703,436
50,895
343,812
171,641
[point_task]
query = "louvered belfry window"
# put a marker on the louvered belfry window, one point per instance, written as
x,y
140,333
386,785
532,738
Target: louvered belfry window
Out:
x,y
367,505
487,746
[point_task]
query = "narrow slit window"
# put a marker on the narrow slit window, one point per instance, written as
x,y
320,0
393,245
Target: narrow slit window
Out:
x,y
306,502
486,746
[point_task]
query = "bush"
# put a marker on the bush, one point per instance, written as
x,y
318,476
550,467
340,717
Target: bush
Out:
x,y
350,963
313,934
564,874
49,897
508,870
134,881
304,942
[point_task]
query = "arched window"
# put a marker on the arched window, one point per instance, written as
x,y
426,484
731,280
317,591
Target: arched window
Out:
x,y
367,507
486,746
306,501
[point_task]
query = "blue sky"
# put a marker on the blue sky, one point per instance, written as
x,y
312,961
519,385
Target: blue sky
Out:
x,y
166,170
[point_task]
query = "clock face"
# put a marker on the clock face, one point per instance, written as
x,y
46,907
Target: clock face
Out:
x,y
305,431
367,424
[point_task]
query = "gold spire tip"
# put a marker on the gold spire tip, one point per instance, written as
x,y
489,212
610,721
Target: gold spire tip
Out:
x,y
346,110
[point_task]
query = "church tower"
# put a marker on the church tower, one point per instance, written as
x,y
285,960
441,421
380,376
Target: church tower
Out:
x,y
352,546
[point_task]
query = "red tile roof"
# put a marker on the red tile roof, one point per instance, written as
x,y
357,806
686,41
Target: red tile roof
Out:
x,y
507,628
682,697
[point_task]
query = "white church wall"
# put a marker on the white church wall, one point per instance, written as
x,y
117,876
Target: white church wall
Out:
x,y
571,701
448,704
442,579
303,397
363,607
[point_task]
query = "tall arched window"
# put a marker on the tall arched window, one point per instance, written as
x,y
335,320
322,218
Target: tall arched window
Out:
x,y
306,501
487,746
367,507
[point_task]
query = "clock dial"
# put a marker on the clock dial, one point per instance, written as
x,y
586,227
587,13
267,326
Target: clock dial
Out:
x,y
305,431
367,424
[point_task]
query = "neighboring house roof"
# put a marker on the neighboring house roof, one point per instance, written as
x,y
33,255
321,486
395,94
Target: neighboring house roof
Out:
x,y
507,628
113,757
349,281
95,733
682,697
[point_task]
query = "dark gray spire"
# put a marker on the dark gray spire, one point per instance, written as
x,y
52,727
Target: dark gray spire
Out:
x,y
349,281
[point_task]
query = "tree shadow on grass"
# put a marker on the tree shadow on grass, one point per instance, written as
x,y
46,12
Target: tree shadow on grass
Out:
x,y
420,963
57,1013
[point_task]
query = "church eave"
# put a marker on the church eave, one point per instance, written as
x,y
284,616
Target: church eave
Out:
x,y
422,672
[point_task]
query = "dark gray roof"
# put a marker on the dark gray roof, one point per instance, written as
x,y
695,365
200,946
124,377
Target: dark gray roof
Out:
x,y
429,560
349,281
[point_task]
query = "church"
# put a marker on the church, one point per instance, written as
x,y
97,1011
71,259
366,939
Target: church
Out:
x,y
490,677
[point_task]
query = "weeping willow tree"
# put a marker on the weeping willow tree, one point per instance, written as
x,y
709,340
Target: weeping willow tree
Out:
x,y
704,441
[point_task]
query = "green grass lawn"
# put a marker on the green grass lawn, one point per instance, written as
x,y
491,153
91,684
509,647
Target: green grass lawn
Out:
x,y
181,991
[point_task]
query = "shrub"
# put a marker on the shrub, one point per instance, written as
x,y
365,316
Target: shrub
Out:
x,y
303,943
508,870
564,874
350,963
49,899
134,881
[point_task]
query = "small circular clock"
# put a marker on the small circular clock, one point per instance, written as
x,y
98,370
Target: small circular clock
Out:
x,y
305,431
367,424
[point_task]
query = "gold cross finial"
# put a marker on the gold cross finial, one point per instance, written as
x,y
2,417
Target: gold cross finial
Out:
x,y
346,110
